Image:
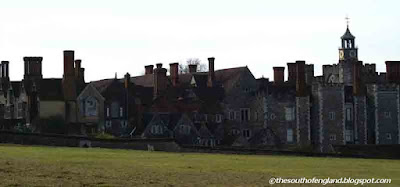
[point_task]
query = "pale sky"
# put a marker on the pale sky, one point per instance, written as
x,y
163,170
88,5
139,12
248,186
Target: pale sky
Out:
x,y
125,35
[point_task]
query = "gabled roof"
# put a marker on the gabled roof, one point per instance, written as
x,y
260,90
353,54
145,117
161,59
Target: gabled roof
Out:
x,y
102,85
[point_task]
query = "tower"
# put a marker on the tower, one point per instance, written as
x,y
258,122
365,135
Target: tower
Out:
x,y
348,54
348,50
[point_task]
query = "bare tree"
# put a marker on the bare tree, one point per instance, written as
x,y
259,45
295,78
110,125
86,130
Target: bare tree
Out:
x,y
184,68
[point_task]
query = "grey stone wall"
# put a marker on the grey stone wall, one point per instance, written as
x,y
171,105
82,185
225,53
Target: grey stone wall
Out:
x,y
331,112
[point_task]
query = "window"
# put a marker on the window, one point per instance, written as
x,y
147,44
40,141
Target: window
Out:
x,y
235,132
121,112
272,116
289,113
108,124
218,118
388,136
124,124
246,133
231,115
90,106
108,111
245,114
184,129
349,135
348,114
387,114
289,135
237,115
156,129
332,137
114,109
331,115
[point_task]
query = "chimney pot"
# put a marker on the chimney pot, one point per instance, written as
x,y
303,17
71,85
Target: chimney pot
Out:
x,y
173,70
159,65
211,73
279,74
192,68
148,69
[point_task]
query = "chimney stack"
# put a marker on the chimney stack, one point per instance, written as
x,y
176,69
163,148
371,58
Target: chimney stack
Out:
x,y
148,69
173,70
159,65
211,73
127,80
357,90
1,70
5,69
78,68
69,63
392,71
279,74
300,78
159,80
292,74
192,68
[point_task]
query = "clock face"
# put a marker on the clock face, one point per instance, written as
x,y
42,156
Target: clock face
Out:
x,y
353,53
341,55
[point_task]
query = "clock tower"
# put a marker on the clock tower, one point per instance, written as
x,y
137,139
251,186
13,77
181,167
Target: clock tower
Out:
x,y
348,51
348,55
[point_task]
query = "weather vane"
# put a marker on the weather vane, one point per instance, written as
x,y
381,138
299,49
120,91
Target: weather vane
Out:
x,y
347,21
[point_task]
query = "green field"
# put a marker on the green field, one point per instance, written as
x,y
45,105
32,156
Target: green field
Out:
x,y
60,166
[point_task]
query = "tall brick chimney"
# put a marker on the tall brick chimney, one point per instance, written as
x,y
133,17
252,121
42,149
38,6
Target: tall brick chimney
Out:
x,y
159,80
148,69
69,63
1,70
127,80
211,73
292,72
69,80
300,78
279,74
393,71
173,71
78,63
357,90
5,69
192,68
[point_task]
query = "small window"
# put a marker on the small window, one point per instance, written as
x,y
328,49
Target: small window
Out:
x,y
289,113
349,135
231,115
388,136
108,124
124,124
272,116
235,132
332,137
245,114
218,118
108,111
348,114
332,115
246,133
387,114
121,112
289,135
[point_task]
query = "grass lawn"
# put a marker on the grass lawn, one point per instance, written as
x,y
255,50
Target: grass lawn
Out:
x,y
61,166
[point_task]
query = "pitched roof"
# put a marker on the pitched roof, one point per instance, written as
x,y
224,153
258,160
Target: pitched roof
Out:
x,y
347,34
102,85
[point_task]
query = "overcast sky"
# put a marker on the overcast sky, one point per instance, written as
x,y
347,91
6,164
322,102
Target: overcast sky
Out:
x,y
124,36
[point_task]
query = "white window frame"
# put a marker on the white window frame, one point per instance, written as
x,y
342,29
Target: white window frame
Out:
x,y
289,113
332,137
349,116
349,135
108,111
218,118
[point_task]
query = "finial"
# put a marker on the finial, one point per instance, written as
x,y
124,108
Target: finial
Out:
x,y
347,20
115,75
